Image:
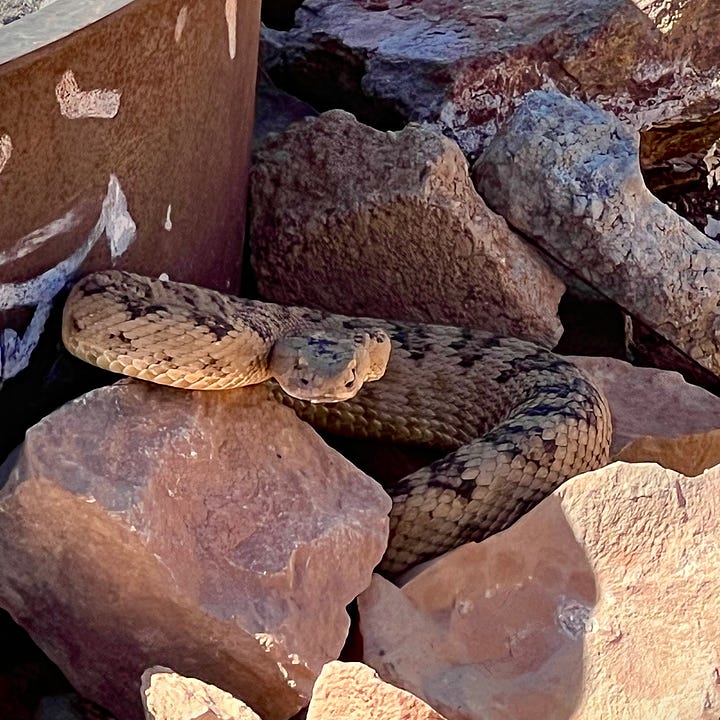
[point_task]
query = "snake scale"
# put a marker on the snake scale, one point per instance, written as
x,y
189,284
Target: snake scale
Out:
x,y
515,419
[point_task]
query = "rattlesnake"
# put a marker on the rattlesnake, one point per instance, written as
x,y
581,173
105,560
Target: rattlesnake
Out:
x,y
516,419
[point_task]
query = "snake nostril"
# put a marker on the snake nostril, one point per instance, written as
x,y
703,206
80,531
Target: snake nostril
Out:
x,y
304,381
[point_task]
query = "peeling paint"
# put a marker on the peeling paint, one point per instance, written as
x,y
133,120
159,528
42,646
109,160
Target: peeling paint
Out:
x,y
40,291
75,103
180,23
231,18
6,148
39,237
120,228
168,222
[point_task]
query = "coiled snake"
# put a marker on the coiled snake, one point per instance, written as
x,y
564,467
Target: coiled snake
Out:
x,y
516,419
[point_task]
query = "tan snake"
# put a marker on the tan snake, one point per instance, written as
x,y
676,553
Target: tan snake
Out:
x,y
516,419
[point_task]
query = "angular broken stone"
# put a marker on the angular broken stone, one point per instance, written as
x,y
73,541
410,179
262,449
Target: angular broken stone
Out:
x,y
567,175
657,416
353,691
600,602
169,696
212,532
465,66
380,224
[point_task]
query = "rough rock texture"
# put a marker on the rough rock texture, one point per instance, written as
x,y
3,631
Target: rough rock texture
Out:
x,y
599,603
169,696
465,65
389,225
353,691
568,175
213,532
657,416
11,10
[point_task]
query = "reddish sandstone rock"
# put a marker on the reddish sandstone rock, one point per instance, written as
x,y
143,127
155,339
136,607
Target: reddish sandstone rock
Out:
x,y
657,416
353,691
599,603
379,224
169,696
213,532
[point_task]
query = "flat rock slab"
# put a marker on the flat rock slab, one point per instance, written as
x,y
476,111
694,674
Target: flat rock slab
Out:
x,y
388,224
465,65
602,602
213,532
353,691
567,175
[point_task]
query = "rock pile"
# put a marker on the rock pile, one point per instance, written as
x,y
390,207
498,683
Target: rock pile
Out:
x,y
183,554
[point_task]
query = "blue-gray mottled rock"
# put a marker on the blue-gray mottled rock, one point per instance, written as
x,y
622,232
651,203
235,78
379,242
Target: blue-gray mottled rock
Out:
x,y
567,175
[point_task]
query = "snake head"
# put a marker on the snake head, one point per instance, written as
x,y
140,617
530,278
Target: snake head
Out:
x,y
324,367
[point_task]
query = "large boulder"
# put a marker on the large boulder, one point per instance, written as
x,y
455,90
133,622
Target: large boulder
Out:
x,y
389,225
567,175
211,532
599,603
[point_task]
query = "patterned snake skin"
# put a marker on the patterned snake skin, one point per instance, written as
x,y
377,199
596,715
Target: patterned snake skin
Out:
x,y
516,420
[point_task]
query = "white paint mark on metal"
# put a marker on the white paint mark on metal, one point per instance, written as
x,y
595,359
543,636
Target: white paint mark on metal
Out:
x,y
180,23
168,222
40,291
39,237
15,350
120,228
76,103
6,148
231,18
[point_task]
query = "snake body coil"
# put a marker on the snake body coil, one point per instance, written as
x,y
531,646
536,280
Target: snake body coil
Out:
x,y
516,419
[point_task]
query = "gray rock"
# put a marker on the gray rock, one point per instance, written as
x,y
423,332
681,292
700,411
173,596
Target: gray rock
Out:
x,y
567,175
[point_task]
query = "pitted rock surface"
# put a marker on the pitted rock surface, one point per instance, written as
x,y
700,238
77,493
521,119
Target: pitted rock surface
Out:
x,y
379,224
169,696
353,691
214,531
